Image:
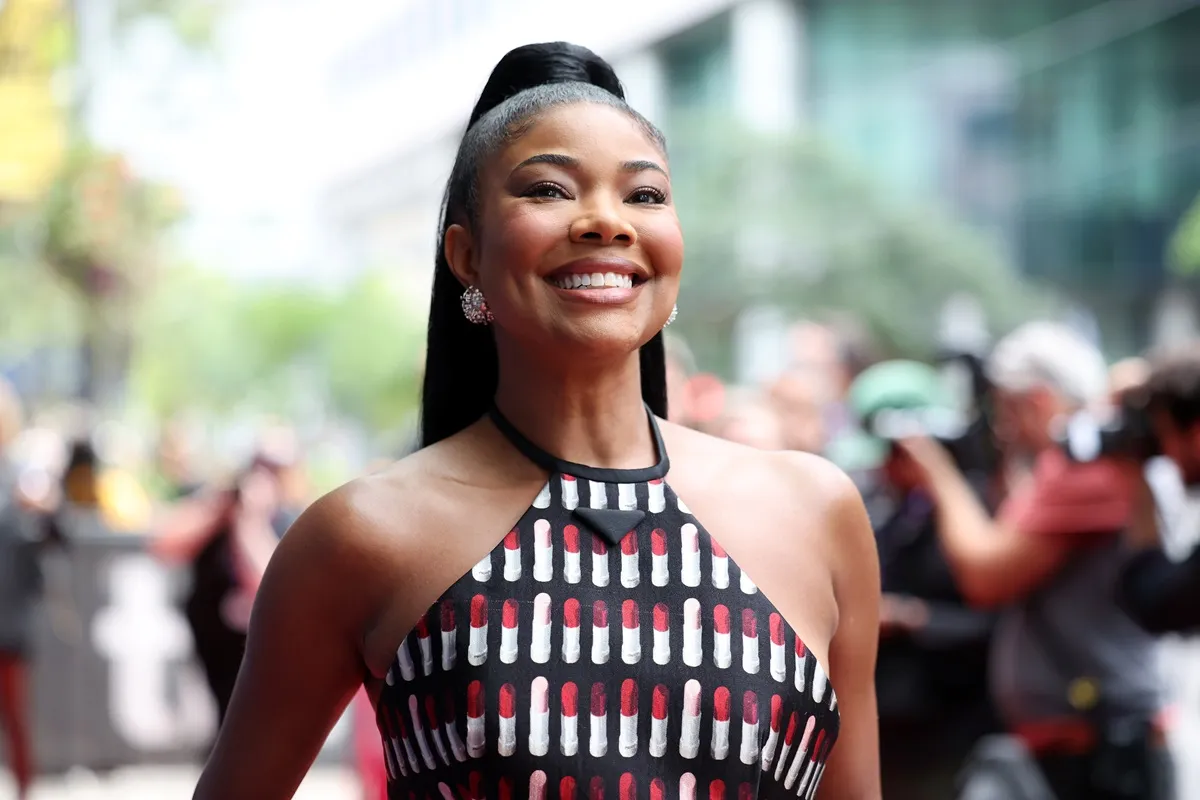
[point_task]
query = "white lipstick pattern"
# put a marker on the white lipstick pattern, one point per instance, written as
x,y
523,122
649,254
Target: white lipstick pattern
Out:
x,y
750,660
689,732
449,636
477,644
722,705
690,568
687,786
626,497
658,721
599,632
570,641
749,748
476,735
542,500
659,573
512,556
599,562
539,646
419,732
778,649
571,571
404,660
662,634
391,750
543,552
482,571
451,724
425,645
509,631
568,741
801,662
435,730
814,763
508,720
768,751
630,575
598,738
539,717
801,751
722,651
748,586
537,785
631,633
720,565
819,684
570,493
789,740
597,495
627,741
820,773
657,499
692,653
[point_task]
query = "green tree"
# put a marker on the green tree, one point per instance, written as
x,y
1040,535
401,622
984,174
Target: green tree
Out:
x,y
788,221
1184,251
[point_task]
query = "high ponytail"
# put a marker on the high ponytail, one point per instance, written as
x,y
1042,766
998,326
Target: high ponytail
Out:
x,y
461,368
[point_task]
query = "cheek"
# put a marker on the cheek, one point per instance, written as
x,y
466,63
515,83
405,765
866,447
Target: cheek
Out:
x,y
516,242
663,242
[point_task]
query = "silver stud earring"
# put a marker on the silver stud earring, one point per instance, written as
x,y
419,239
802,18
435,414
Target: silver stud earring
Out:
x,y
475,308
674,314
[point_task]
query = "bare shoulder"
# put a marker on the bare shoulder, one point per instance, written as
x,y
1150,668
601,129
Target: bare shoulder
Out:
x,y
803,493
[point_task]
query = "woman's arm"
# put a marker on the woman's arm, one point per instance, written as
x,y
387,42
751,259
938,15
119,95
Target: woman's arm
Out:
x,y
853,771
303,660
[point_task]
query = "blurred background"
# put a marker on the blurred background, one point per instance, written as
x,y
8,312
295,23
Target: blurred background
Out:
x,y
217,222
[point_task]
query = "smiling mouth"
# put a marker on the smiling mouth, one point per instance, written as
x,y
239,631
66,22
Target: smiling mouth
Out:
x,y
594,280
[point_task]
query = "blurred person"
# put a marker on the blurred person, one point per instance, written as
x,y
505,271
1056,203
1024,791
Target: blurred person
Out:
x,y
23,534
226,538
931,677
1073,677
559,225
797,403
750,419
101,498
1162,594
681,368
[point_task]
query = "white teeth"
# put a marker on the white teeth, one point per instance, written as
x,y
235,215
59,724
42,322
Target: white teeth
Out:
x,y
596,279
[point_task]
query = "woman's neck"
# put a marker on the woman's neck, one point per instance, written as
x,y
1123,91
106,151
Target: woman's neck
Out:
x,y
591,415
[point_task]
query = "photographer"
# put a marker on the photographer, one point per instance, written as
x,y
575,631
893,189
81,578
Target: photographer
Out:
x,y
1073,677
931,675
1162,595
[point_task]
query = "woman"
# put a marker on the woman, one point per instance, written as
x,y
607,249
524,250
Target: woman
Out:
x,y
580,643
227,540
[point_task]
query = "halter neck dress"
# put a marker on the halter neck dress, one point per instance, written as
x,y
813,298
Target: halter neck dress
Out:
x,y
607,647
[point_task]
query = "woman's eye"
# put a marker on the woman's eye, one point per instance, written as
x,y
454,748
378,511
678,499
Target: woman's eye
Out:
x,y
648,194
547,190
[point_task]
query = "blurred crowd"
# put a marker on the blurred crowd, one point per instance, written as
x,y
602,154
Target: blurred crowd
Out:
x,y
942,452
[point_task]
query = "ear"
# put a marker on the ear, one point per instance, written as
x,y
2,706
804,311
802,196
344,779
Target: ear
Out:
x,y
460,255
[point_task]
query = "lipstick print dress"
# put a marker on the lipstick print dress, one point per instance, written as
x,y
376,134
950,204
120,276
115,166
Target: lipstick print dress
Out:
x,y
607,647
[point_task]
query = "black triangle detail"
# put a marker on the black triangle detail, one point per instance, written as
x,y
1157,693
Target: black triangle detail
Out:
x,y
610,523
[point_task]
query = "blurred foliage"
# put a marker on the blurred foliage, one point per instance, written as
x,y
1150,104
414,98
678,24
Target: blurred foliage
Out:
x,y
209,343
788,221
1184,252
193,21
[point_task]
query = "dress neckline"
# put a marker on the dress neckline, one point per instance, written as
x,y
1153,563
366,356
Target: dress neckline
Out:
x,y
554,464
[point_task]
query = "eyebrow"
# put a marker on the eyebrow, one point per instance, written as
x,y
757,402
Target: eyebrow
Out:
x,y
570,162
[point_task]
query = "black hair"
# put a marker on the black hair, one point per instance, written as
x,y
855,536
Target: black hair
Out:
x,y
460,363
1174,385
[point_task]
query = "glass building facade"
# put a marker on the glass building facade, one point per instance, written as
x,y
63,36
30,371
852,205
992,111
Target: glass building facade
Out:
x,y
1069,129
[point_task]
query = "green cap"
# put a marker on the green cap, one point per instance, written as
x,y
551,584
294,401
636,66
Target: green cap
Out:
x,y
898,386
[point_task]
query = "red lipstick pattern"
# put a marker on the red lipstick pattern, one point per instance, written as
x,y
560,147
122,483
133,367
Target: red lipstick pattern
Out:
x,y
726,701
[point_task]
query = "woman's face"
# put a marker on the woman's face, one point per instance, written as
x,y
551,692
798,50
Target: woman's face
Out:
x,y
577,238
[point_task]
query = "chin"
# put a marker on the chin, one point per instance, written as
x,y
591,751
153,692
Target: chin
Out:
x,y
597,339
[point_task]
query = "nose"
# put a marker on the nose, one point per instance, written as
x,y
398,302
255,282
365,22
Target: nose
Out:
x,y
603,225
